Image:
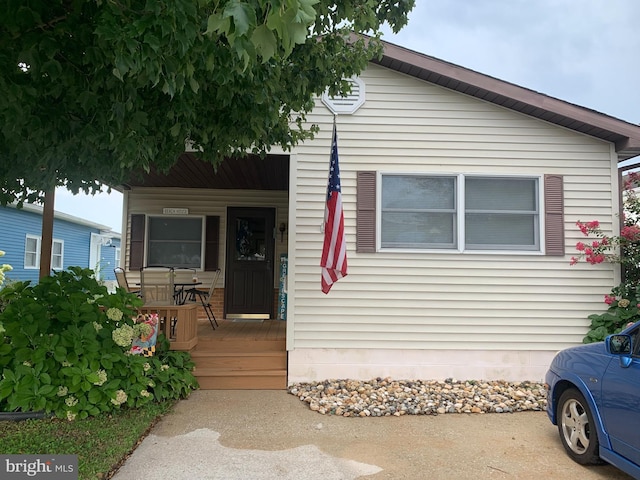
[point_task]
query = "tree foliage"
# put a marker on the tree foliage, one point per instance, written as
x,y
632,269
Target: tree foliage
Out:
x,y
96,90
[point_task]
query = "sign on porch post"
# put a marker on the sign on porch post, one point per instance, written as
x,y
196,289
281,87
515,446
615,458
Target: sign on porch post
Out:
x,y
282,293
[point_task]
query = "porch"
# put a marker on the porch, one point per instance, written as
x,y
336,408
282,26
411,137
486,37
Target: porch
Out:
x,y
239,354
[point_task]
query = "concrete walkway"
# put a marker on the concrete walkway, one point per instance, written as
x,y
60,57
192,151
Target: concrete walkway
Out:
x,y
271,435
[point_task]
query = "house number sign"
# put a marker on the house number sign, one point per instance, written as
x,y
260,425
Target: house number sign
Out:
x,y
175,211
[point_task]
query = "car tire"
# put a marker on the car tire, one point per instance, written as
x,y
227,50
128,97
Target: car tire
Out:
x,y
577,428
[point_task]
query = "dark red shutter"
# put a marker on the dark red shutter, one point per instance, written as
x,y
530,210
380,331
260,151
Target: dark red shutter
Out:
x,y
366,212
136,258
212,243
554,214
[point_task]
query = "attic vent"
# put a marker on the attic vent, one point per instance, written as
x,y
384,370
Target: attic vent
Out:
x,y
349,104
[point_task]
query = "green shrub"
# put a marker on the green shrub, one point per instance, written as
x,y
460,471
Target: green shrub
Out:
x,y
623,309
63,350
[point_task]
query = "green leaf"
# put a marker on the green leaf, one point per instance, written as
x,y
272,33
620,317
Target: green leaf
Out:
x,y
195,86
45,390
95,396
218,24
175,130
265,42
5,391
243,15
153,41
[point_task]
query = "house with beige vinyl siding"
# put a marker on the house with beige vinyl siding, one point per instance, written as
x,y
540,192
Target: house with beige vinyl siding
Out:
x,y
460,193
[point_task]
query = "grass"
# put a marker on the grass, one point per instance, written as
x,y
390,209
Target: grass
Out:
x,y
102,443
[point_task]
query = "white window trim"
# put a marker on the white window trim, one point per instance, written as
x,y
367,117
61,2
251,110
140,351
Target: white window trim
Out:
x,y
203,232
61,267
37,252
460,202
38,240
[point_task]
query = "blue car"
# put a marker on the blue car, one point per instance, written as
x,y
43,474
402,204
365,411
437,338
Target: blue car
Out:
x,y
593,396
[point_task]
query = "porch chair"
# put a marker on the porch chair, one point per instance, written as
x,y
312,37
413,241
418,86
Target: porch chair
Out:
x,y
157,286
157,289
206,297
121,278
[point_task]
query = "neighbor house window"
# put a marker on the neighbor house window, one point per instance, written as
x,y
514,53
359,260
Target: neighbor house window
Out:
x,y
459,212
175,242
32,253
57,249
117,256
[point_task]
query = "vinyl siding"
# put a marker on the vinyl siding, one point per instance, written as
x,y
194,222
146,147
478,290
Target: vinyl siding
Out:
x,y
445,301
76,239
202,202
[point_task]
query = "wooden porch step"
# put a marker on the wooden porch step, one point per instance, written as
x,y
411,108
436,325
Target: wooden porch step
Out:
x,y
246,370
239,345
231,379
240,361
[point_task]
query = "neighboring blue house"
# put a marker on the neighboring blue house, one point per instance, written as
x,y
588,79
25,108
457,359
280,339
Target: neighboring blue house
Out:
x,y
76,242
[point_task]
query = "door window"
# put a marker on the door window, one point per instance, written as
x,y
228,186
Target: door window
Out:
x,y
250,239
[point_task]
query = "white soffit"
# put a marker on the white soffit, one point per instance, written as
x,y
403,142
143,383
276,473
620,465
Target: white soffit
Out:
x,y
349,104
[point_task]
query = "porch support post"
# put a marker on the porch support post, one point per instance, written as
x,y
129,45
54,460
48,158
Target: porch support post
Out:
x,y
47,234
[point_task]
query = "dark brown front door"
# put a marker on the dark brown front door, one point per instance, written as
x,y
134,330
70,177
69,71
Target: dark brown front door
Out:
x,y
249,264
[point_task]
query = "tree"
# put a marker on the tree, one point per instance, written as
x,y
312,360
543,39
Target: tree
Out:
x,y
97,90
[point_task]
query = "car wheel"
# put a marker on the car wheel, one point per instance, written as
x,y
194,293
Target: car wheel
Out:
x,y
577,428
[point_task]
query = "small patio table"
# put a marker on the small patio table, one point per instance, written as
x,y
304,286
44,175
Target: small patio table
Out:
x,y
182,292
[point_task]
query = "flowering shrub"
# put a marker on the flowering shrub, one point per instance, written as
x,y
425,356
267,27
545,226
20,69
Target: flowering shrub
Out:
x,y
3,269
67,350
623,301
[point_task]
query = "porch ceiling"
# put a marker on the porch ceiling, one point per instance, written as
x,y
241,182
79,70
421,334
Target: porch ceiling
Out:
x,y
250,173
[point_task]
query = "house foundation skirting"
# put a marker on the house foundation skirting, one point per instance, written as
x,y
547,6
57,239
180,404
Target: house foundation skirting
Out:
x,y
309,365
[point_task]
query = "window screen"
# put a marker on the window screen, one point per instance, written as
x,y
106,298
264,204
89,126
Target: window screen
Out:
x,y
175,242
418,212
501,213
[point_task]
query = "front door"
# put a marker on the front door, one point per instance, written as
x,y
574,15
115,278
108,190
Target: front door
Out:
x,y
249,264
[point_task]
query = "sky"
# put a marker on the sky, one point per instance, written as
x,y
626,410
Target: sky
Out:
x,y
585,52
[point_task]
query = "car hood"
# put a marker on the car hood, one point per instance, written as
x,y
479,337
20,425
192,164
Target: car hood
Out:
x,y
589,359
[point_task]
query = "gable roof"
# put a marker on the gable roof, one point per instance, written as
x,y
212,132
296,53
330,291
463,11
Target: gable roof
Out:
x,y
272,173
625,135
39,210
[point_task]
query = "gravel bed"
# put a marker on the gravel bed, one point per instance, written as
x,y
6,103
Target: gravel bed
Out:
x,y
383,397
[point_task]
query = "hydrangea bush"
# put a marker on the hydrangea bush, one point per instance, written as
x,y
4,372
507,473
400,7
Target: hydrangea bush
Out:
x,y
3,269
67,345
624,300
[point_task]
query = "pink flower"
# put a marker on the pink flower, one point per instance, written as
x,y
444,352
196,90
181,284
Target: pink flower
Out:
x,y
574,260
580,246
608,299
595,244
588,251
630,233
583,228
593,225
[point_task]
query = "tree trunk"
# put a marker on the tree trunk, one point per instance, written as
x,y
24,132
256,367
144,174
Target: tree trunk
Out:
x,y
47,234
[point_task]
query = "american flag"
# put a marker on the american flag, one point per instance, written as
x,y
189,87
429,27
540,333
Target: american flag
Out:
x,y
334,249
